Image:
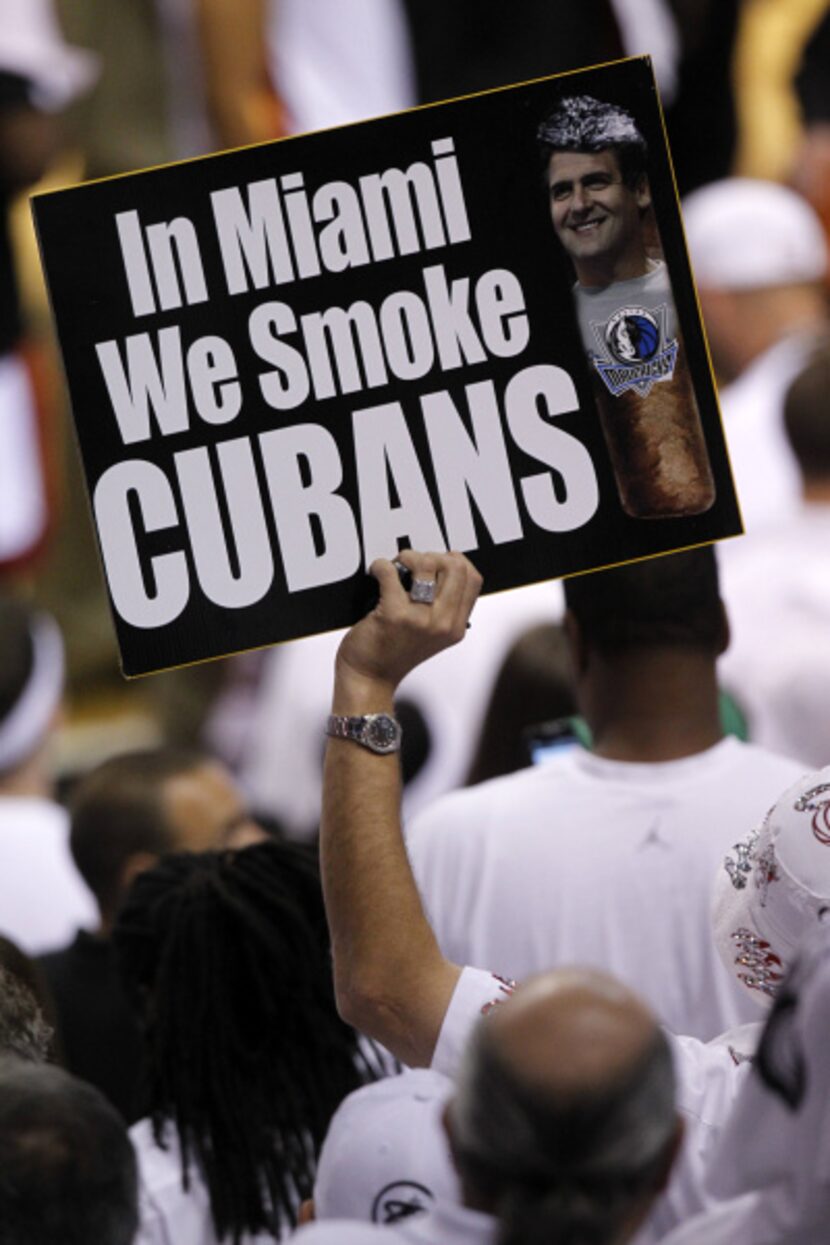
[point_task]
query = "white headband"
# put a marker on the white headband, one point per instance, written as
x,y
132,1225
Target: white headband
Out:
x,y
26,724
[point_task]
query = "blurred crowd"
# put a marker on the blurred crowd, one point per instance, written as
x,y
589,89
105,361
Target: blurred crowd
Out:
x,y
573,775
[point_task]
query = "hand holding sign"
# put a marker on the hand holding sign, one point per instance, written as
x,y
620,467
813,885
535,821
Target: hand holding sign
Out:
x,y
400,633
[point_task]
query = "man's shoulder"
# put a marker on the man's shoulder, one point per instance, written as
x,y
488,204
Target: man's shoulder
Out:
x,y
168,1211
709,1074
481,804
743,780
655,280
24,812
657,277
762,761
159,1165
578,777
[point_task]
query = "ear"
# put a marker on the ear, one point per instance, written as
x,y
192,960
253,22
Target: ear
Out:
x,y
576,643
642,193
133,865
244,834
306,1213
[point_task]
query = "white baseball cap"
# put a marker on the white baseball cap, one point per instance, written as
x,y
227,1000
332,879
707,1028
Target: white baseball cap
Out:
x,y
746,234
775,886
386,1155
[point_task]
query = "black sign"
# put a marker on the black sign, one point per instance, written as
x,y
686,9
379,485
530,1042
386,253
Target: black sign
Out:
x,y
422,330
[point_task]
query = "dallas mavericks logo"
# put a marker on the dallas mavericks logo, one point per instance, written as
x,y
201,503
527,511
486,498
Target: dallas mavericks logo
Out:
x,y
635,353
632,336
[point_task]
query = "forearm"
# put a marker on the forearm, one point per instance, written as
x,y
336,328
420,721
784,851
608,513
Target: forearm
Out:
x,y
384,950
391,979
242,102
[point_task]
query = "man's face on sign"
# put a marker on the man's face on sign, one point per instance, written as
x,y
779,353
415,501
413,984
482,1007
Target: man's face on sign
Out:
x,y
595,214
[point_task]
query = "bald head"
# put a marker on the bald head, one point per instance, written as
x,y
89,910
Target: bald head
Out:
x,y
572,1031
565,1109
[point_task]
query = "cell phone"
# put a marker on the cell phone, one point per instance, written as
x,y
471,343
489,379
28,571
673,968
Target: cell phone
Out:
x,y
544,740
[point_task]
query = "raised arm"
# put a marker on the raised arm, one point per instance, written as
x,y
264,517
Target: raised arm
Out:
x,y
242,101
392,981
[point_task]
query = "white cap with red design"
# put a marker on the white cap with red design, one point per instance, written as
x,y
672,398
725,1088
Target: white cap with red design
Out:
x,y
775,886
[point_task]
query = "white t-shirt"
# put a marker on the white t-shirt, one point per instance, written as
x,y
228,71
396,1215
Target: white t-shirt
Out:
x,y
169,1214
23,506
743,1221
778,662
764,467
43,898
708,1081
582,860
629,329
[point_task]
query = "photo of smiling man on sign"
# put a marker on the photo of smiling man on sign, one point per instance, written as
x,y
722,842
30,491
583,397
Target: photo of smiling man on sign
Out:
x,y
596,160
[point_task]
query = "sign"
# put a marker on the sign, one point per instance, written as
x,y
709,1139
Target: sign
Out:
x,y
432,329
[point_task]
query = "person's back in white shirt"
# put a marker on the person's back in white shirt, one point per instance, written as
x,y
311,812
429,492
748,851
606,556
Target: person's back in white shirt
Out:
x,y
43,899
774,581
606,863
607,858
168,1211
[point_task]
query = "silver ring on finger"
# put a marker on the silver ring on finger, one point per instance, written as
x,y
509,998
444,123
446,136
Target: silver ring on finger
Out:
x,y
422,591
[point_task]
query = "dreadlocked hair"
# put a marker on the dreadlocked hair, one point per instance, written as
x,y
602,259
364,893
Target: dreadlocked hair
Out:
x,y
247,1056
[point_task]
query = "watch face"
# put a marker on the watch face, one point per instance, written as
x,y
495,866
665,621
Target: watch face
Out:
x,y
382,733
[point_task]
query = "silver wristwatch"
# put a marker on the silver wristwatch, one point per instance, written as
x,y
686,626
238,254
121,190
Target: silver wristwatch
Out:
x,y
376,731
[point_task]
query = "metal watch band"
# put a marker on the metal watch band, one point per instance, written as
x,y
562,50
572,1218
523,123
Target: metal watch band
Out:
x,y
379,732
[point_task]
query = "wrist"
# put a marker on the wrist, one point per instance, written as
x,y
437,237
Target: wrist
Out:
x,y
358,693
